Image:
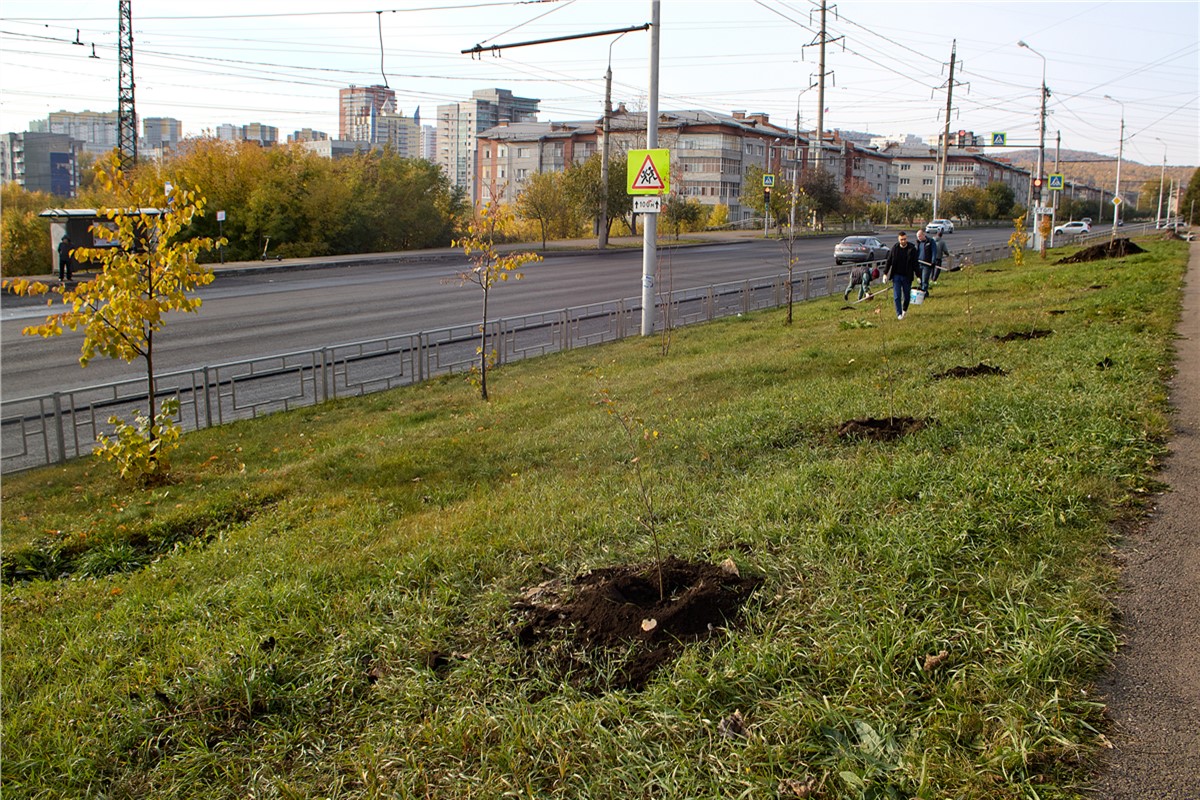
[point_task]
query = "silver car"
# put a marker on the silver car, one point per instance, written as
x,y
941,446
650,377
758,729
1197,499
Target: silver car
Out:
x,y
859,250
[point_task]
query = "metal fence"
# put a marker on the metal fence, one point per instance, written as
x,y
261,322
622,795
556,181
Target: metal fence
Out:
x,y
48,429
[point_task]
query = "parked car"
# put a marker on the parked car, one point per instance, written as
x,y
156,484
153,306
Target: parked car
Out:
x,y
942,225
859,250
1073,228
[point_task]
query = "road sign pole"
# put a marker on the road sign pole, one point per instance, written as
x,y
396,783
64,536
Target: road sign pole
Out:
x,y
650,221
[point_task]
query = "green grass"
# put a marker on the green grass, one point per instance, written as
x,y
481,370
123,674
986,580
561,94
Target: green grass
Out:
x,y
260,627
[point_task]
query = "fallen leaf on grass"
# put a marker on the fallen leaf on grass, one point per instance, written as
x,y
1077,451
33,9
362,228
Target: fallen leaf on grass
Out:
x,y
791,787
933,662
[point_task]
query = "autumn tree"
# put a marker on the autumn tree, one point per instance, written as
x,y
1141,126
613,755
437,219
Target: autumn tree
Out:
x,y
24,236
584,192
151,271
855,200
821,189
681,213
544,201
488,266
1001,199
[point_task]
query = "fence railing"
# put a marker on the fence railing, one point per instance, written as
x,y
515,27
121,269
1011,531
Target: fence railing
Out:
x,y
51,428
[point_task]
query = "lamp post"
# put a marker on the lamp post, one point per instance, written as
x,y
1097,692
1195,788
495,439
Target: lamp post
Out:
x,y
796,162
1162,178
602,241
1041,174
1120,153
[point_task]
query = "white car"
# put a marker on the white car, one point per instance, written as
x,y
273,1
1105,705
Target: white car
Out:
x,y
940,226
1073,228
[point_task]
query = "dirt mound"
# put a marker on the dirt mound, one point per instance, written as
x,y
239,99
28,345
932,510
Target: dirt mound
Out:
x,y
880,430
1037,333
1118,248
970,372
623,626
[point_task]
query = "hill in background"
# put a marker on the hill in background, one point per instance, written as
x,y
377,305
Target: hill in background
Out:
x,y
1098,169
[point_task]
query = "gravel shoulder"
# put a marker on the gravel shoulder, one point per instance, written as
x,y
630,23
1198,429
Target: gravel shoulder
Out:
x,y
1153,689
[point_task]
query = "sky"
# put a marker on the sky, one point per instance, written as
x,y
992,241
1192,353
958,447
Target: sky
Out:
x,y
282,63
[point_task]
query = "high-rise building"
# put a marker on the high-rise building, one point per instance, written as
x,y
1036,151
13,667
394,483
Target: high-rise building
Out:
x,y
359,111
96,129
459,123
41,162
161,133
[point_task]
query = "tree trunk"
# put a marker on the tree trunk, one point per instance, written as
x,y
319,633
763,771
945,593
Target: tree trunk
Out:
x,y
483,349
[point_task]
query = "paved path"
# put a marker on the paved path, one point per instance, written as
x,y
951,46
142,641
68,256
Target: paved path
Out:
x,y
1153,691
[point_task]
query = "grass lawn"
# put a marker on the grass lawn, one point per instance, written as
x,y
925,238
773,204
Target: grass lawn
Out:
x,y
932,613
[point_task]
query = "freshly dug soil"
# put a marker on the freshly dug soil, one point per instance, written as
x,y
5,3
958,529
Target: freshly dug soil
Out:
x,y
1023,335
616,618
1118,248
970,372
880,430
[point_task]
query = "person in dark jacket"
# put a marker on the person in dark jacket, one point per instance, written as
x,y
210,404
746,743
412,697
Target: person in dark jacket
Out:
x,y
861,277
943,260
64,259
900,267
927,259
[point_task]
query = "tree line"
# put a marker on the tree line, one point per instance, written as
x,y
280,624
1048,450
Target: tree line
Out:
x,y
290,202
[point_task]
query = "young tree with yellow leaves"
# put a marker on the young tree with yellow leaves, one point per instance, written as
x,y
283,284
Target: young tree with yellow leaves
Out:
x,y
149,272
487,267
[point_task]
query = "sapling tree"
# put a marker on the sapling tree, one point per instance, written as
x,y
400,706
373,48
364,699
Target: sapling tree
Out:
x,y
1018,241
638,437
487,267
150,271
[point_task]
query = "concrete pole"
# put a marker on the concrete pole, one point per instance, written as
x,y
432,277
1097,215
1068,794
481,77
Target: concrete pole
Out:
x,y
650,221
939,186
1120,156
603,232
821,92
1162,178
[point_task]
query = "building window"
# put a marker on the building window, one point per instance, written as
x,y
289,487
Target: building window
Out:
x,y
928,167
504,152
927,182
522,152
904,181
904,167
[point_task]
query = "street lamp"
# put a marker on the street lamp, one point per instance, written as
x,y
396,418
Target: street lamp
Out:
x,y
1041,178
796,162
1120,153
1162,178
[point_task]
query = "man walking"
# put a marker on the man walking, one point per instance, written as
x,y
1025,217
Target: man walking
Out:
x,y
900,267
927,258
943,257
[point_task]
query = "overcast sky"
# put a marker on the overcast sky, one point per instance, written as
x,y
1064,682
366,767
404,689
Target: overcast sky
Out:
x,y
281,63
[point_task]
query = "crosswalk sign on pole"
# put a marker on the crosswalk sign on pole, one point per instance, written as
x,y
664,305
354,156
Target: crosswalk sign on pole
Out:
x,y
1056,182
999,139
648,172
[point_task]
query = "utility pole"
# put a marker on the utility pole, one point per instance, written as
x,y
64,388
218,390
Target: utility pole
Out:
x,y
940,186
1038,244
603,233
821,40
650,223
1162,178
1120,154
126,112
1054,195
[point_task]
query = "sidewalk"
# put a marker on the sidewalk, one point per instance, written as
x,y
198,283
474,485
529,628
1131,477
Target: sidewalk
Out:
x,y
1153,689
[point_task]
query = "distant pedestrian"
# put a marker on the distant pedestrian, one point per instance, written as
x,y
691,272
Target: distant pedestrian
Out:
x,y
927,256
943,259
861,277
900,267
64,259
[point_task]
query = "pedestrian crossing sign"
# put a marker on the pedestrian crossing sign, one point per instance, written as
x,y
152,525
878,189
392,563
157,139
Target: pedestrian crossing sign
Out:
x,y
1056,182
648,172
999,139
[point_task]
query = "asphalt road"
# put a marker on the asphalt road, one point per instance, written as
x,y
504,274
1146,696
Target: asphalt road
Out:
x,y
283,309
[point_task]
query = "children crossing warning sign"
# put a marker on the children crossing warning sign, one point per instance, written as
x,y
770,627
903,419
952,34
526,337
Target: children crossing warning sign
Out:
x,y
648,172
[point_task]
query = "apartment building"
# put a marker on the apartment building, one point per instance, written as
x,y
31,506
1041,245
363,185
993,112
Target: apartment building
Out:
x,y
41,162
458,125
96,129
